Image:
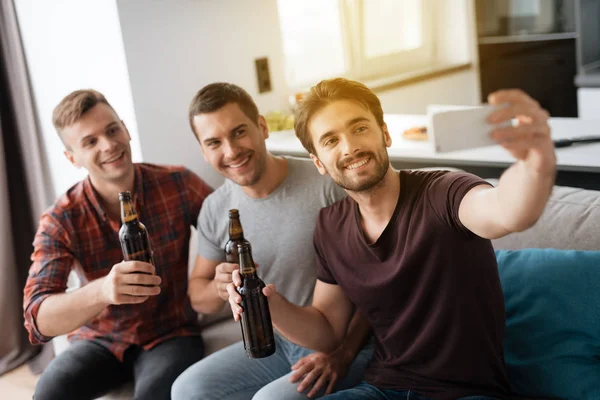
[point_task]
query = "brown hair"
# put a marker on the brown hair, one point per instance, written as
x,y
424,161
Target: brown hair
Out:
x,y
216,95
74,106
329,91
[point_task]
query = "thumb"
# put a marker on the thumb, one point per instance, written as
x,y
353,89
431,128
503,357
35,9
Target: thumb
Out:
x,y
269,290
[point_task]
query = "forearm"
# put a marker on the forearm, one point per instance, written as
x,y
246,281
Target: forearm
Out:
x,y
358,332
204,297
522,194
63,313
305,326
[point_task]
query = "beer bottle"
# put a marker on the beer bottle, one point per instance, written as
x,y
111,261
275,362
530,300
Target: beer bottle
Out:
x,y
133,235
236,236
257,329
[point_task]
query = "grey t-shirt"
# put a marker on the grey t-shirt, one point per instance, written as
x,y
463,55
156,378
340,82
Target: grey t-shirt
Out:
x,y
280,227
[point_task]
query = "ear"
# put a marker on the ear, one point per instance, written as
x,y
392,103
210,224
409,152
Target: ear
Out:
x,y
386,135
262,125
318,164
71,157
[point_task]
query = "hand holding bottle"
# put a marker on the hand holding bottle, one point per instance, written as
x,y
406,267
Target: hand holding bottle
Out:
x,y
130,282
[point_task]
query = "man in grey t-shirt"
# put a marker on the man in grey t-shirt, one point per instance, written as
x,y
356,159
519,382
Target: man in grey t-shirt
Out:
x,y
279,200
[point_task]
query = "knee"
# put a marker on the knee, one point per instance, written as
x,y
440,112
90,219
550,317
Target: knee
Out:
x,y
189,386
49,389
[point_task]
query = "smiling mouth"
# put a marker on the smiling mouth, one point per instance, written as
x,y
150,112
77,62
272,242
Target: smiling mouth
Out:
x,y
117,158
358,163
241,163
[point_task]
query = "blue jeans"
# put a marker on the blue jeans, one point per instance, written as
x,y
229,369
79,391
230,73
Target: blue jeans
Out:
x,y
365,391
230,374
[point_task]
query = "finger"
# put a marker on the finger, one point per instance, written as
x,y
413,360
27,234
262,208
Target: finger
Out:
x,y
510,96
236,278
141,279
309,378
234,296
127,299
135,266
301,372
318,385
227,268
521,132
503,114
299,363
331,386
269,290
137,290
224,277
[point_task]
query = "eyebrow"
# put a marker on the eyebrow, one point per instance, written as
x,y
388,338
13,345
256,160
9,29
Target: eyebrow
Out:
x,y
348,124
210,139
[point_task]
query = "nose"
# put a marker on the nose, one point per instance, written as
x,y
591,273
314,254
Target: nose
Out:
x,y
106,144
349,145
230,150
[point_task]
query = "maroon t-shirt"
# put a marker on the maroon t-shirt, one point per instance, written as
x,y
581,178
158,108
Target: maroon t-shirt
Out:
x,y
429,287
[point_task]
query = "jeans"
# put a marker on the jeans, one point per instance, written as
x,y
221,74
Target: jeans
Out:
x,y
87,370
230,374
365,391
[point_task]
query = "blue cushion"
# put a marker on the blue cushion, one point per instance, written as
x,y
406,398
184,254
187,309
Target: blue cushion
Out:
x,y
552,340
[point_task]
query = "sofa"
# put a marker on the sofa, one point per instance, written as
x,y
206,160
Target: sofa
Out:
x,y
571,221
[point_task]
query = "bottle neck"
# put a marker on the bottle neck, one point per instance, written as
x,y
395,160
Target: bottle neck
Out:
x,y
128,213
235,229
247,267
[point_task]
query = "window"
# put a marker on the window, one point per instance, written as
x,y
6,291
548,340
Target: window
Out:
x,y
358,39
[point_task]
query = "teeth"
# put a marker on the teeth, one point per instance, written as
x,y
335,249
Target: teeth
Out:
x,y
114,159
240,164
358,164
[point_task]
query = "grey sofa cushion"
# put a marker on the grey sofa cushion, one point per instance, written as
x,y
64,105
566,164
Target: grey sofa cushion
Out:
x,y
571,220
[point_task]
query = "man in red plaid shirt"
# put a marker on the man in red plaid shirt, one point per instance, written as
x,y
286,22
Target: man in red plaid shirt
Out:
x,y
122,325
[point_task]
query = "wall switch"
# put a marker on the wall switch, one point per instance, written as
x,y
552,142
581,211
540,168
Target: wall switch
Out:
x,y
262,74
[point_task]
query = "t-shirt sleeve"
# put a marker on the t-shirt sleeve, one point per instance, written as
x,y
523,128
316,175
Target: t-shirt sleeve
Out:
x,y
323,272
208,246
446,190
197,191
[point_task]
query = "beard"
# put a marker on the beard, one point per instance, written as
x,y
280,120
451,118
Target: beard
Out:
x,y
357,183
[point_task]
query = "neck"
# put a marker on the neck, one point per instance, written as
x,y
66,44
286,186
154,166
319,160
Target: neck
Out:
x,y
108,193
276,169
377,204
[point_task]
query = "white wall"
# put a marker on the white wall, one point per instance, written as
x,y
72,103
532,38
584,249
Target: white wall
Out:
x,y
461,88
175,48
70,45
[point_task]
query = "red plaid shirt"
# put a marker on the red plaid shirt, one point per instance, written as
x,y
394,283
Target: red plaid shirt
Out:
x,y
76,234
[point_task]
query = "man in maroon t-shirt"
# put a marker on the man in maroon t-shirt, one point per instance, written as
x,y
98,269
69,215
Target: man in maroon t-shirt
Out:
x,y
411,249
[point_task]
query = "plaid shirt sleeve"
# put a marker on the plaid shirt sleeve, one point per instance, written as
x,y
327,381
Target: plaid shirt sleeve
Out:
x,y
48,274
197,191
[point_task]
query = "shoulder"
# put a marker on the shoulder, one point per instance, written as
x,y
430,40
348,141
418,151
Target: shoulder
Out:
x,y
219,202
302,171
335,216
161,172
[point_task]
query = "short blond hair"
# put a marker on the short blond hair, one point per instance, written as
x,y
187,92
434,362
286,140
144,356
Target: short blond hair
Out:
x,y
329,91
74,106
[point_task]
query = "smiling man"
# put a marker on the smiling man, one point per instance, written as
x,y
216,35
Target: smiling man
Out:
x,y
279,199
129,320
411,249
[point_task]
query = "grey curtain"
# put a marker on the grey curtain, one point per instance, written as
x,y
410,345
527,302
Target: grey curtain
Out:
x,y
25,189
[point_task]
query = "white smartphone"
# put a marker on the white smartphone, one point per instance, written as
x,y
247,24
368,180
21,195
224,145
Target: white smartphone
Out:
x,y
461,127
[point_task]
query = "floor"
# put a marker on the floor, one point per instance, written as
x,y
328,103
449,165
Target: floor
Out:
x,y
18,384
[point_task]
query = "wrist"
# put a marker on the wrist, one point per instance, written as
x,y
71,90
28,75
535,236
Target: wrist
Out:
x,y
99,297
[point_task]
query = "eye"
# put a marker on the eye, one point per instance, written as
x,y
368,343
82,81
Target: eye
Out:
x,y
330,142
113,130
360,129
89,142
239,132
213,144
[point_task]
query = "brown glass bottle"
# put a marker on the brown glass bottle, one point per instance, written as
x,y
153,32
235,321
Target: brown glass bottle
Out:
x,y
133,235
236,236
257,329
